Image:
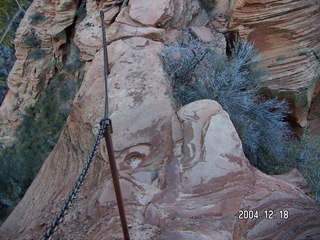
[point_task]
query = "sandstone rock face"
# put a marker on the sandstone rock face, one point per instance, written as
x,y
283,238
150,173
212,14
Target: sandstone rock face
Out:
x,y
31,73
141,111
156,12
203,33
188,181
286,33
209,165
137,20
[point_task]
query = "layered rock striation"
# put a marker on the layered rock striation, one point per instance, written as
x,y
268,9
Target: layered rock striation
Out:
x,y
286,33
39,54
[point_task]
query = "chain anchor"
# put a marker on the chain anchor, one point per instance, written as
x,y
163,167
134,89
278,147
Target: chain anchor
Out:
x,y
115,176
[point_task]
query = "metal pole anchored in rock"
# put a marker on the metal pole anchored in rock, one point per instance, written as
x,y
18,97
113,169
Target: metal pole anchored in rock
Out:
x,y
115,178
108,131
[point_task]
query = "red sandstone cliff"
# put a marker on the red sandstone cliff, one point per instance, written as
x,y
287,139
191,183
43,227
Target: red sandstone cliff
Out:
x,y
287,34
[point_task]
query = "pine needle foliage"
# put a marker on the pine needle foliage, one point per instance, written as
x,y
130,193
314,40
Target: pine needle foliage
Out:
x,y
37,135
199,72
37,53
11,12
32,41
37,18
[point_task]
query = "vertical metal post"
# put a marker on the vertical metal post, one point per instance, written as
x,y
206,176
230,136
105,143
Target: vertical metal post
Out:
x,y
115,178
108,131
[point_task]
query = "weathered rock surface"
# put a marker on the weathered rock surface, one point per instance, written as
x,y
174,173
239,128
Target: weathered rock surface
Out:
x,y
137,20
187,180
286,33
31,74
141,110
157,12
204,33
210,166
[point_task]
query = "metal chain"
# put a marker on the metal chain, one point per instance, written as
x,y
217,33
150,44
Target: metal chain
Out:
x,y
105,61
76,188
103,123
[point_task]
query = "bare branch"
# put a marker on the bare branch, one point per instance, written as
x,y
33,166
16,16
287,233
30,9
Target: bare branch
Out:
x,y
9,25
124,4
18,4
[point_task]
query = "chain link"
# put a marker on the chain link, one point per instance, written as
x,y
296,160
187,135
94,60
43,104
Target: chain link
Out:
x,y
76,188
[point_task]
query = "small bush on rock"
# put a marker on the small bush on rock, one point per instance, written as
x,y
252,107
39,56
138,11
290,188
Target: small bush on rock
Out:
x,y
37,18
37,53
73,62
37,135
81,12
199,72
304,154
32,41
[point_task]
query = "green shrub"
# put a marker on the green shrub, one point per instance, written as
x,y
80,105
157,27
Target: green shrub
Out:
x,y
66,5
37,18
208,5
311,173
303,52
32,41
81,12
37,53
281,58
198,72
304,154
73,62
317,53
3,89
37,135
10,17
